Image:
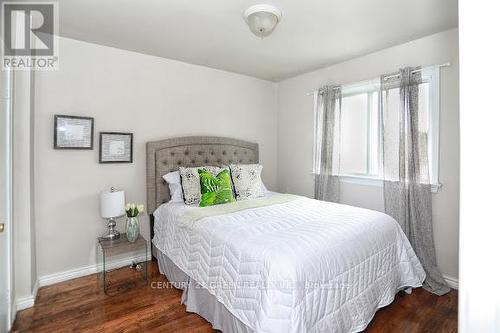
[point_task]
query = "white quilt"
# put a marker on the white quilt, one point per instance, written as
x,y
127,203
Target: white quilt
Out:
x,y
300,266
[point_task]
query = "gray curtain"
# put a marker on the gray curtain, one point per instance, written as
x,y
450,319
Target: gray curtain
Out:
x,y
327,143
407,191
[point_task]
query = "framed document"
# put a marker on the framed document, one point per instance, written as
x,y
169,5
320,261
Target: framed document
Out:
x,y
72,132
115,147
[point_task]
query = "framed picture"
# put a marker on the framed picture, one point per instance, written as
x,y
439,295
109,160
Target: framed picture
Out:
x,y
115,147
72,132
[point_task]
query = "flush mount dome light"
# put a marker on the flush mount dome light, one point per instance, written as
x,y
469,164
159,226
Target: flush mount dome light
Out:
x,y
262,19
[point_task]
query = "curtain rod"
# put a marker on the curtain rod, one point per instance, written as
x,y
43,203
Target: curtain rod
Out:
x,y
446,64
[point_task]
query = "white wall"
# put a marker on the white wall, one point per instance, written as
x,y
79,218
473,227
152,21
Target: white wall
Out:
x,y
479,303
295,132
152,97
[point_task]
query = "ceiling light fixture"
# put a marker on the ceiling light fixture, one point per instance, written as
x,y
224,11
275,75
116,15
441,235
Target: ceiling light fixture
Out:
x,y
262,19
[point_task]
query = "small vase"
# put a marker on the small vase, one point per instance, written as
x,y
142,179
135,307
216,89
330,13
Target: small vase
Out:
x,y
132,229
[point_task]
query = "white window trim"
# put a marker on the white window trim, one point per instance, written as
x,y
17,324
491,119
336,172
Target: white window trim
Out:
x,y
374,181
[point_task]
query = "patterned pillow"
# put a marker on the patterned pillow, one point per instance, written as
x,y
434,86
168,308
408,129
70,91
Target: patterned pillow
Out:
x,y
190,181
215,190
246,180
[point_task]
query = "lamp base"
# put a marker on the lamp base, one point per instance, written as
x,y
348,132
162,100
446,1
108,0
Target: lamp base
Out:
x,y
115,235
112,234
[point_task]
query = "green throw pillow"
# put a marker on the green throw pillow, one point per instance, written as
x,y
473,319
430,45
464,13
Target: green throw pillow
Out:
x,y
215,190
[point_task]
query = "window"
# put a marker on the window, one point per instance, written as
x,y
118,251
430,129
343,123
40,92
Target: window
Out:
x,y
361,135
360,131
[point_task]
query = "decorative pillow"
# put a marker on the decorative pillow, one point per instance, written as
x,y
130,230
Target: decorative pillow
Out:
x,y
190,181
246,180
215,190
173,180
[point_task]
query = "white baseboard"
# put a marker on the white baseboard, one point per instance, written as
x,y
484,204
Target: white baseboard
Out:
x,y
47,280
452,281
27,301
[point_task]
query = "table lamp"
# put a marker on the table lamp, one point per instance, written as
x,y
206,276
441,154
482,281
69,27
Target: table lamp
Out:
x,y
112,206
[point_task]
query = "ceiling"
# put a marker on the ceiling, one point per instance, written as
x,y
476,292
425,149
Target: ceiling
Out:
x,y
312,33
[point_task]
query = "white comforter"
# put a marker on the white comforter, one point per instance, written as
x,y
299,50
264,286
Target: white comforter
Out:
x,y
300,266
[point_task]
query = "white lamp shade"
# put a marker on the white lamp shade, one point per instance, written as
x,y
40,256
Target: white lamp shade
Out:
x,y
112,204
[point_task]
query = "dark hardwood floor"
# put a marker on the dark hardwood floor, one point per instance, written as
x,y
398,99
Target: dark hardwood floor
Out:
x,y
79,305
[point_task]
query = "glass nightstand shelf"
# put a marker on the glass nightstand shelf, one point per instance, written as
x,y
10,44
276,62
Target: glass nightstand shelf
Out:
x,y
122,265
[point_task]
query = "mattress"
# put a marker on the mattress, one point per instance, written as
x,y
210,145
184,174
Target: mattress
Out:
x,y
299,266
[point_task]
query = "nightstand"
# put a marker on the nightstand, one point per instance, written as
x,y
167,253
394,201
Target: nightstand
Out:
x,y
122,265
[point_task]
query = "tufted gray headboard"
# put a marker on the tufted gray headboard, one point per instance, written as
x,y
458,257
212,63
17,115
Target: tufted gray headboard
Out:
x,y
168,155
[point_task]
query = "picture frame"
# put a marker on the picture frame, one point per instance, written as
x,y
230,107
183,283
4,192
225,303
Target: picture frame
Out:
x,y
116,147
73,132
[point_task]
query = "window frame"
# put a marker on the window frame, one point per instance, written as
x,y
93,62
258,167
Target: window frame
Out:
x,y
429,75
369,88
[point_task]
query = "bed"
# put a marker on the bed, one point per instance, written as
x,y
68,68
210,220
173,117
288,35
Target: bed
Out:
x,y
280,263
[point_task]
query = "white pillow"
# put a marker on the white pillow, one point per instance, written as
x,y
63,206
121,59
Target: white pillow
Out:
x,y
173,180
246,181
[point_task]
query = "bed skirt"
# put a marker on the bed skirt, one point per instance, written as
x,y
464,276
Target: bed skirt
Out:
x,y
198,300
